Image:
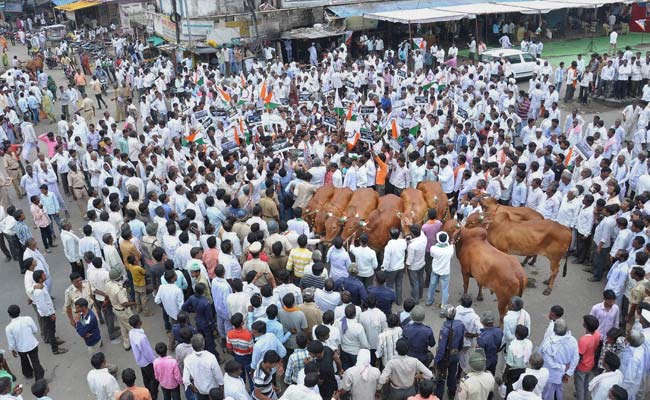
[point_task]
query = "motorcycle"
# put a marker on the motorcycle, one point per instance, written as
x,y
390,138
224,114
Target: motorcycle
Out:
x,y
51,62
104,82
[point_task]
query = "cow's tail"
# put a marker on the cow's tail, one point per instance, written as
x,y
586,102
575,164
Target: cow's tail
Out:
x,y
566,262
522,283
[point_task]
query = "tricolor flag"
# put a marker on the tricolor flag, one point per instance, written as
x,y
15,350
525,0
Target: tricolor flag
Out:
x,y
428,82
414,130
348,37
349,116
269,102
569,155
225,96
419,43
394,129
243,79
263,91
640,23
338,106
194,137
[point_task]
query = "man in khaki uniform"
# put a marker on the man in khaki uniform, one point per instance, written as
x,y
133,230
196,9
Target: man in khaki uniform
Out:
x,y
88,108
478,383
12,166
264,275
119,300
269,208
274,236
78,289
637,293
78,187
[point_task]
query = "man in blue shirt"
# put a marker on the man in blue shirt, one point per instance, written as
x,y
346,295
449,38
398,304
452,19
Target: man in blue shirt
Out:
x,y
353,284
51,206
385,295
86,325
450,342
199,304
490,339
263,343
419,336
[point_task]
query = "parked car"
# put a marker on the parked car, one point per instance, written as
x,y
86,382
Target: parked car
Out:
x,y
522,63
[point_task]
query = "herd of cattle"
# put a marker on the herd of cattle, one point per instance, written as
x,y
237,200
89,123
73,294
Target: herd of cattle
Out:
x,y
485,242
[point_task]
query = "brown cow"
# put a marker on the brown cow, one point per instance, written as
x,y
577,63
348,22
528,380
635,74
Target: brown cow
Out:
x,y
334,207
379,223
362,203
415,209
435,198
317,201
527,238
491,206
34,65
499,272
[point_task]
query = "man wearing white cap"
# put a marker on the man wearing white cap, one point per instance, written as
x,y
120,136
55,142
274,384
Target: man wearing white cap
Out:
x,y
441,254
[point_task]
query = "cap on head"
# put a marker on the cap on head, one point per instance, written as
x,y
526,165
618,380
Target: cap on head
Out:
x,y
417,314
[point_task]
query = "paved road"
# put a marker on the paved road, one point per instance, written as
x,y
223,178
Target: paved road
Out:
x,y
67,373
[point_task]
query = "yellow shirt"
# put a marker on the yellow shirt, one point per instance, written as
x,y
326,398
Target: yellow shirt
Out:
x,y
298,259
137,273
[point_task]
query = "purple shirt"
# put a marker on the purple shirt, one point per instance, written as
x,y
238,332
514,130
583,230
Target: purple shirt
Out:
x,y
607,318
141,348
430,230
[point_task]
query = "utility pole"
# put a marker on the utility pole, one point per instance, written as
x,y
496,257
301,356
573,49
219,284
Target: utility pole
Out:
x,y
177,18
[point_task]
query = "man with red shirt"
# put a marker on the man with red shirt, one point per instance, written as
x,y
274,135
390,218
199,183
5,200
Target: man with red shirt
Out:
x,y
587,347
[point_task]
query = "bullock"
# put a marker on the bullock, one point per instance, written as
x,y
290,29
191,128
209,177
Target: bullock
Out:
x,y
527,238
379,223
490,267
317,201
334,207
414,209
517,214
362,203
435,198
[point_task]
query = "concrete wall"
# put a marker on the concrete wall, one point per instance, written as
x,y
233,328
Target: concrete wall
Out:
x,y
202,8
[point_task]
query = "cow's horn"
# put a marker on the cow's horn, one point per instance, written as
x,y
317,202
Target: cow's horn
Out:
x,y
342,219
481,217
357,215
362,223
399,214
329,214
435,199
412,213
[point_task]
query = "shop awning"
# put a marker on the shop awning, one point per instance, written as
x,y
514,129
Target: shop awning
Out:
x,y
155,40
312,32
78,5
421,16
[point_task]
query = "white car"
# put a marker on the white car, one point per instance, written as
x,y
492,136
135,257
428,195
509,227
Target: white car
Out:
x,y
522,63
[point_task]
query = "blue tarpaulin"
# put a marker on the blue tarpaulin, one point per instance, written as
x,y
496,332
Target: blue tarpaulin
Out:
x,y
62,2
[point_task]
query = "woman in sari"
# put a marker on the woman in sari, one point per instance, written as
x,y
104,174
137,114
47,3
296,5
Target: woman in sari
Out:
x,y
48,104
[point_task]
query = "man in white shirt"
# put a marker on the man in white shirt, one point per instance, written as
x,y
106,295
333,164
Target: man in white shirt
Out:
x,y
102,384
366,260
393,263
441,254
527,390
46,311
171,298
22,343
201,370
71,248
415,252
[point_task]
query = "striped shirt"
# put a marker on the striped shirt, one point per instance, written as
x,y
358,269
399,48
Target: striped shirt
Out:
x,y
240,341
298,259
262,381
386,344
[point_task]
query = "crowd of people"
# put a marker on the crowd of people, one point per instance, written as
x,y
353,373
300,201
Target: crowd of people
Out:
x,y
192,186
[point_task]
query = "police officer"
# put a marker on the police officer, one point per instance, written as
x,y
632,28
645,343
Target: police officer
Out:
x,y
478,384
119,299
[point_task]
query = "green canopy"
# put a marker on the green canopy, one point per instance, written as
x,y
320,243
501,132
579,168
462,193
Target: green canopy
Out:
x,y
155,40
